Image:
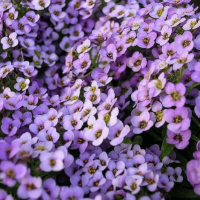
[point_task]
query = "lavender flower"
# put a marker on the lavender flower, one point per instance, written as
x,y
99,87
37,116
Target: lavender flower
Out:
x,y
11,172
175,95
30,188
52,161
10,41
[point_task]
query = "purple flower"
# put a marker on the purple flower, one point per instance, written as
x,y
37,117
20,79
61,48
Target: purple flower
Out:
x,y
13,103
52,161
196,74
165,183
86,159
10,41
30,188
175,174
110,52
50,189
142,169
69,138
179,138
183,58
131,39
11,172
37,90
24,152
159,114
168,50
108,103
151,181
178,119
22,84
84,47
96,181
27,43
30,71
1,104
175,20
135,22
158,84
136,62
41,147
40,123
10,16
82,64
175,95
103,161
191,24
32,18
121,47
80,180
110,118
142,122
98,132
71,192
71,15
5,70
76,32
31,102
56,12
133,183
4,195
117,133
9,126
40,4
197,42
80,141
115,169
25,118
21,26
159,11
53,116
88,111
65,44
72,122
165,35
120,64
184,42
193,172
146,40
51,135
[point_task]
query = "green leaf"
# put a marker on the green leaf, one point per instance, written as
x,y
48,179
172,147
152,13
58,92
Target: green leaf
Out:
x,y
183,193
190,88
196,121
195,138
118,197
137,140
164,130
127,141
182,159
166,148
154,135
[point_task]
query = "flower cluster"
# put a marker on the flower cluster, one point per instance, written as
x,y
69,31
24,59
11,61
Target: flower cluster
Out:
x,y
81,82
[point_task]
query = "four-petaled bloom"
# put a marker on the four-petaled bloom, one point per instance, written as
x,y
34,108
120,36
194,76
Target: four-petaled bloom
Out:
x,y
175,95
10,41
52,161
142,122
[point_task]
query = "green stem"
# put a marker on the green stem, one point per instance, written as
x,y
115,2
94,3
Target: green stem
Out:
x,y
195,138
87,74
149,57
196,121
190,88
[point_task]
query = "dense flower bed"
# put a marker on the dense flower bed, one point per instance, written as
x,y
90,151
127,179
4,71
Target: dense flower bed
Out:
x,y
99,99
